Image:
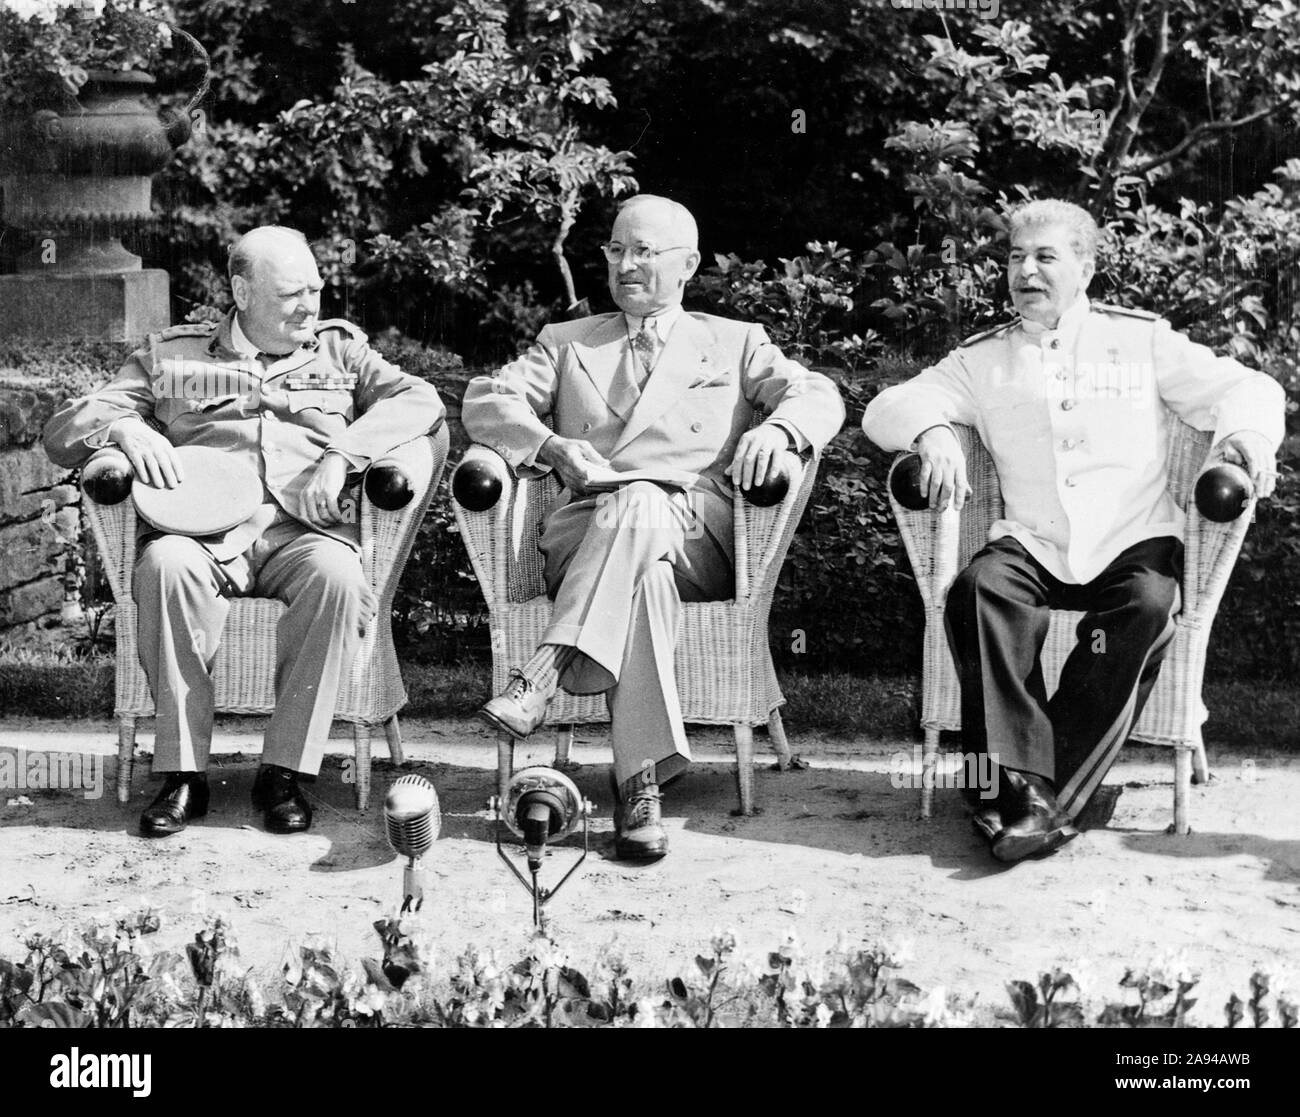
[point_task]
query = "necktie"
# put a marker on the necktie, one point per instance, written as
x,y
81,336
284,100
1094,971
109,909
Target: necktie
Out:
x,y
646,346
634,369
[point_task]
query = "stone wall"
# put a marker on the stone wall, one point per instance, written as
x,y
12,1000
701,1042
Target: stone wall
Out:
x,y
38,509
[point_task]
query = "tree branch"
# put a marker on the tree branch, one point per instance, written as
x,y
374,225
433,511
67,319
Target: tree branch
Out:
x,y
1199,133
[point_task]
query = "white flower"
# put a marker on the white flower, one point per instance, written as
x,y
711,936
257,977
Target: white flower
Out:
x,y
44,10
646,1016
898,950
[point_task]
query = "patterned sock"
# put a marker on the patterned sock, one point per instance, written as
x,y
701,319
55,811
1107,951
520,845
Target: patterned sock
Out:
x,y
548,664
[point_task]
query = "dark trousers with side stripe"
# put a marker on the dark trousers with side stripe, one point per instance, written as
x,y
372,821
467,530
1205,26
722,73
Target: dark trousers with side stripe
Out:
x,y
997,618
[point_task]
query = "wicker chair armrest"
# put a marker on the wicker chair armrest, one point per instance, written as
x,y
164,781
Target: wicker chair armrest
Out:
x,y
1210,551
932,542
113,526
387,536
763,535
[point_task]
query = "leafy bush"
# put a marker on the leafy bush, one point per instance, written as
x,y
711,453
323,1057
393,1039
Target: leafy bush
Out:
x,y
109,976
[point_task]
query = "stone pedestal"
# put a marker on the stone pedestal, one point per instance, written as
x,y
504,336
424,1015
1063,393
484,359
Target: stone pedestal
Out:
x,y
124,306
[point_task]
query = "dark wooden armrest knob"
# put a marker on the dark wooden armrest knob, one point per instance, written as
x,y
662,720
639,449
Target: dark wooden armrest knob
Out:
x,y
905,483
476,485
1222,492
767,493
387,486
107,477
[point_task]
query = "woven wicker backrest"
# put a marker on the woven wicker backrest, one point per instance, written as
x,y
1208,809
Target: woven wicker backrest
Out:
x,y
1187,451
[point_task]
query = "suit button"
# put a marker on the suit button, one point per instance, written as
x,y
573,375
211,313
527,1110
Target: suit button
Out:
x,y
696,428
1070,482
586,427
1060,374
1067,405
1056,343
1069,444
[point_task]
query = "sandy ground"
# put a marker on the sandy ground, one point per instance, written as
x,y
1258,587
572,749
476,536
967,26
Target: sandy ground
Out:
x,y
836,851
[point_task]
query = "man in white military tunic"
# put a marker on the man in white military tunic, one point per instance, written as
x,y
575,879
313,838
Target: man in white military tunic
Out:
x,y
650,387
304,403
1070,400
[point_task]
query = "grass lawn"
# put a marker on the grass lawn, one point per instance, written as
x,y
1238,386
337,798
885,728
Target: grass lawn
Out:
x,y
1254,714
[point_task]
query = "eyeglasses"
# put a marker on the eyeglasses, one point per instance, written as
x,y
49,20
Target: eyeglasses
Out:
x,y
641,253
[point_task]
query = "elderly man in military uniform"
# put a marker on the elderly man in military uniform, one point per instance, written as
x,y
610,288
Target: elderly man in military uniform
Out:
x,y
307,404
649,388
1070,400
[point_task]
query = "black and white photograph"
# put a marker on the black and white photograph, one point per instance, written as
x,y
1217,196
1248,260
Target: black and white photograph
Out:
x,y
651,514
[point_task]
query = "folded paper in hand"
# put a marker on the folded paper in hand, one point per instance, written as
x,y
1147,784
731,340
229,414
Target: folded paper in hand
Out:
x,y
603,479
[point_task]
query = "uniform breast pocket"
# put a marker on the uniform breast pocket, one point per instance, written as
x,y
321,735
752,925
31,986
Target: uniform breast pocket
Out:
x,y
169,410
329,403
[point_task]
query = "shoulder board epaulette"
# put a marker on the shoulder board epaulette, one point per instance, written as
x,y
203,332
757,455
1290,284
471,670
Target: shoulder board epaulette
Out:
x,y
986,334
1126,311
187,329
342,324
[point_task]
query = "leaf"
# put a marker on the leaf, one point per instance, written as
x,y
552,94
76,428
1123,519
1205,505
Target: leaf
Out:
x,y
55,1014
1025,999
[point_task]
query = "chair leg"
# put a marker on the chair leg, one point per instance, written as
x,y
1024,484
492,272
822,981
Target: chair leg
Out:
x,y
393,732
1182,789
125,757
776,732
361,742
563,745
929,763
1200,766
505,762
745,768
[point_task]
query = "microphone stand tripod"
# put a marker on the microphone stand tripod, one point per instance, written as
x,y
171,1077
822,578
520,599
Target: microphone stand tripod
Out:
x,y
541,896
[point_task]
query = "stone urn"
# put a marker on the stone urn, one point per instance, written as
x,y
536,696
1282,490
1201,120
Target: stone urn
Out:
x,y
76,179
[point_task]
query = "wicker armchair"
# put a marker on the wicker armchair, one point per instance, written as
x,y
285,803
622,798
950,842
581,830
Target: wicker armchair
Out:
x,y
244,671
723,664
941,544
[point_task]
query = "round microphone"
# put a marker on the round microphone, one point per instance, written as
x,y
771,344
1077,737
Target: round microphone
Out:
x,y
411,816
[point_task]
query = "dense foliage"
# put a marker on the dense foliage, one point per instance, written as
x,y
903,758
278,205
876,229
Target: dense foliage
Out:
x,y
456,163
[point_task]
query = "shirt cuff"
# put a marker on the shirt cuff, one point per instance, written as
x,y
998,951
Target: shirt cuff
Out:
x,y
97,440
931,427
798,444
356,463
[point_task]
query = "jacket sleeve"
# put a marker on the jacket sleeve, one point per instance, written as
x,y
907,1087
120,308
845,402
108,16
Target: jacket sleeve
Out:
x,y
805,403
505,411
1215,393
80,426
394,407
937,396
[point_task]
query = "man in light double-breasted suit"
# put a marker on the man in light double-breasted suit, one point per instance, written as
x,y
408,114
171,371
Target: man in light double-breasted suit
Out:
x,y
650,388
1071,401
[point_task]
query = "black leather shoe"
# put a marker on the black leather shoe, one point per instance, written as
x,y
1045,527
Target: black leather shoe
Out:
x,y
987,822
184,796
1034,824
638,824
277,794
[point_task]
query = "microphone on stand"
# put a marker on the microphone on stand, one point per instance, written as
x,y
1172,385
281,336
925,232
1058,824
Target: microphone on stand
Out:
x,y
540,805
411,823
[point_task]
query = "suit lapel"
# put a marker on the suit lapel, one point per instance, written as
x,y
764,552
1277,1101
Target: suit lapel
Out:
x,y
601,353
684,358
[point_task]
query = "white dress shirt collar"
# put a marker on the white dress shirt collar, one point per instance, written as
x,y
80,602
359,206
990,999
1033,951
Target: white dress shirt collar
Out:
x,y
663,322
239,340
